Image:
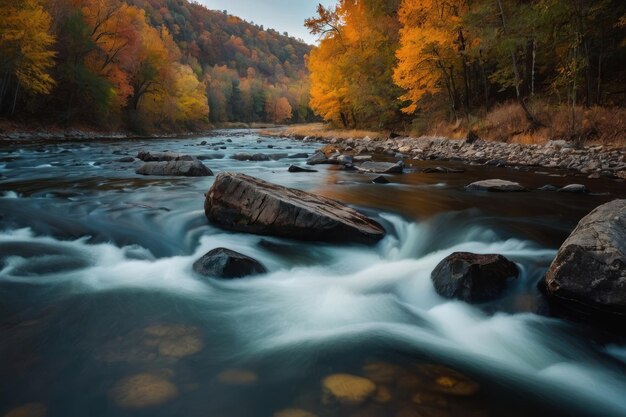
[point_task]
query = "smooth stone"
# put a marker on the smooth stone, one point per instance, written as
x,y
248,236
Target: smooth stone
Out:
x,y
143,390
243,203
347,389
182,168
295,168
573,188
126,159
473,278
225,263
588,275
442,170
495,185
257,157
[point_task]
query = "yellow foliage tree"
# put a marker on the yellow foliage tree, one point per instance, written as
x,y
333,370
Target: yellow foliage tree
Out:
x,y
26,48
431,50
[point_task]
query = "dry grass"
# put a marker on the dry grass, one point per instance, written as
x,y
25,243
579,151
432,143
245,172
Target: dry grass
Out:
x,y
508,123
320,130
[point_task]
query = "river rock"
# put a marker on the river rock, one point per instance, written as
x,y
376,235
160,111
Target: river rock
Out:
x,y
473,278
183,168
295,168
257,157
382,167
347,389
442,170
548,187
298,156
247,204
588,275
495,185
126,159
573,188
380,180
163,156
225,263
317,158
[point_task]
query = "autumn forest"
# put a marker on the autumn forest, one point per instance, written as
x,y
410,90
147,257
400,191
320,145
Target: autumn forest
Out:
x,y
407,65
146,65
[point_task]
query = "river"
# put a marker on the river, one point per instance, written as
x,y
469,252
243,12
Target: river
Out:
x,y
96,286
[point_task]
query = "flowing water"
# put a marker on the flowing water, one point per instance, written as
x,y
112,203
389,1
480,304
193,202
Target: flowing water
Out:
x,y
96,287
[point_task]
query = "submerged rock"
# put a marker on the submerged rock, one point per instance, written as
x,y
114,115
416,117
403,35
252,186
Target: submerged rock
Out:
x,y
181,168
548,187
298,156
175,340
257,157
295,168
382,167
473,278
247,204
347,389
442,170
143,390
126,159
225,263
588,275
448,381
28,410
495,185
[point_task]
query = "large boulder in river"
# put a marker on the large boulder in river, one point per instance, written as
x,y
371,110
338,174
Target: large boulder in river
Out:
x,y
473,278
588,275
150,156
495,186
182,168
225,263
247,204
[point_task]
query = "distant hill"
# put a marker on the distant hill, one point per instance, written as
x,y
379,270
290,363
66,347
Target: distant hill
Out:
x,y
244,63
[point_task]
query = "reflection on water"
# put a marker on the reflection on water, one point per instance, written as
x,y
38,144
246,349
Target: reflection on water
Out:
x,y
102,315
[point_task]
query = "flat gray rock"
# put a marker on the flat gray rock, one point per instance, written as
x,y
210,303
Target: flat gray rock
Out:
x,y
163,156
382,167
495,185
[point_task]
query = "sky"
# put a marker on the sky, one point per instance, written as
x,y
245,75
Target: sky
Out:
x,y
282,15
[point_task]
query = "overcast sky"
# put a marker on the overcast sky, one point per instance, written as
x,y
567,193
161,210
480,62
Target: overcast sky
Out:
x,y
282,15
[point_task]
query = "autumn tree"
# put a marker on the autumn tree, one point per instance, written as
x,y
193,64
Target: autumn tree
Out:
x,y
278,110
26,50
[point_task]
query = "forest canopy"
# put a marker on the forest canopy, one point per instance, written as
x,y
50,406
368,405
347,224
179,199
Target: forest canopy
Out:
x,y
146,64
383,63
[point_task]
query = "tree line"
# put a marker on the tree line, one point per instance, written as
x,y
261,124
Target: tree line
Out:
x,y
383,63
145,64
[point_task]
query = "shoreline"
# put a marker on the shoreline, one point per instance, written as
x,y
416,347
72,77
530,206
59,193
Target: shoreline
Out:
x,y
595,161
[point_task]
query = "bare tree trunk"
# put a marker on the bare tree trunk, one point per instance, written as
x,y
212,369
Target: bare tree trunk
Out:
x,y
532,76
17,90
516,73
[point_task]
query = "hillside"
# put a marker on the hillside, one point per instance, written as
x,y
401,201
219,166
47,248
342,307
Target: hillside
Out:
x,y
146,65
244,62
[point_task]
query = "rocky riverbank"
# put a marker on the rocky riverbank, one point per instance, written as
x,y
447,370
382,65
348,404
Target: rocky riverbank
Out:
x,y
36,135
594,161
